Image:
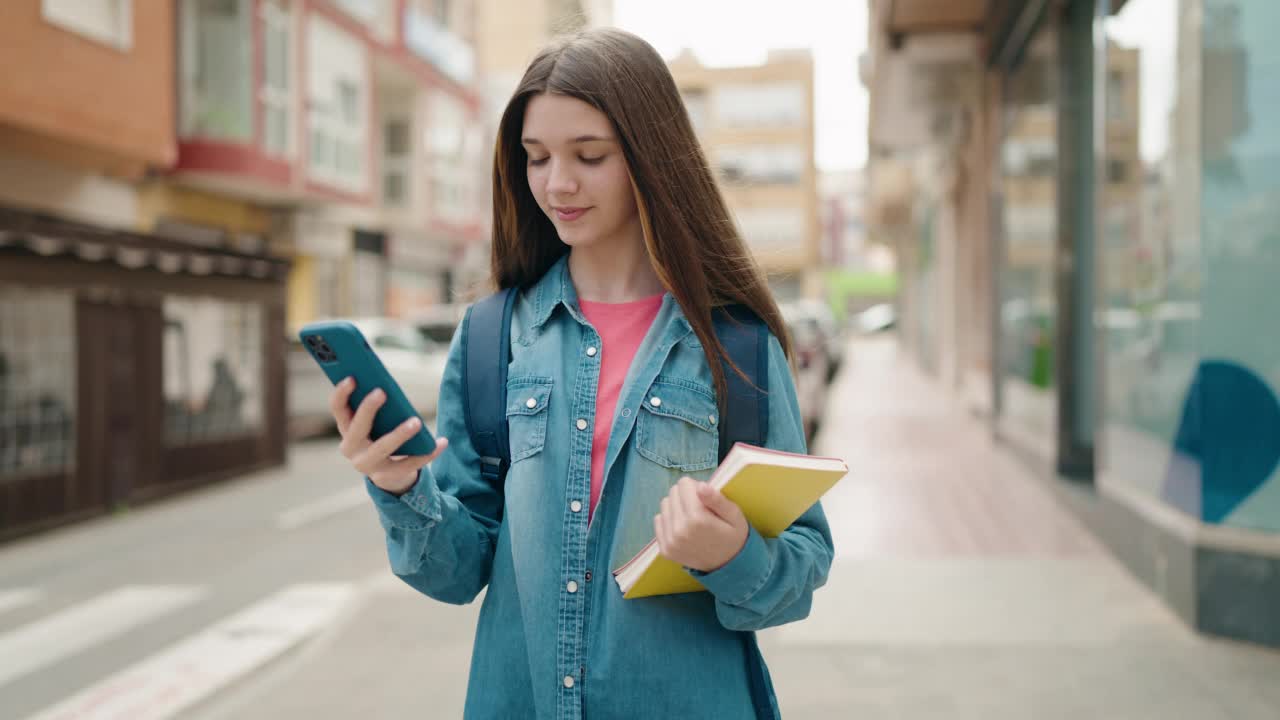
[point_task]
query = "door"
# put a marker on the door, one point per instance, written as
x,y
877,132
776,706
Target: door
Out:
x,y
122,436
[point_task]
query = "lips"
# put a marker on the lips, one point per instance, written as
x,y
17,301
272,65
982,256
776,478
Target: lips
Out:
x,y
569,214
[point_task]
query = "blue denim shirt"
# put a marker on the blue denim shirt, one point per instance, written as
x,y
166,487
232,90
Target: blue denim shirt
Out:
x,y
556,640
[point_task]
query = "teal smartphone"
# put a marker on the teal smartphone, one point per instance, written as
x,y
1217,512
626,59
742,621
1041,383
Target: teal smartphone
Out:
x,y
341,351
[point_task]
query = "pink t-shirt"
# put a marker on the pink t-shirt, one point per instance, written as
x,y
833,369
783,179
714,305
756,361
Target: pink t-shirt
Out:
x,y
622,327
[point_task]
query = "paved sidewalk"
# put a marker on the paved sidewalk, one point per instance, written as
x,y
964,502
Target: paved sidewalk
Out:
x,y
960,590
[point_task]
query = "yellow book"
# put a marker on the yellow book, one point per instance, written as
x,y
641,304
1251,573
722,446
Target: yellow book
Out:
x,y
773,489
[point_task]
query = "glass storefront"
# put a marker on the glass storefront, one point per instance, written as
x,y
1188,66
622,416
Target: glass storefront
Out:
x,y
1189,249
1027,159
213,370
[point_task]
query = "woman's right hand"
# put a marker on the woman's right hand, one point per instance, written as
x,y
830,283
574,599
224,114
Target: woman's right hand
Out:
x,y
395,474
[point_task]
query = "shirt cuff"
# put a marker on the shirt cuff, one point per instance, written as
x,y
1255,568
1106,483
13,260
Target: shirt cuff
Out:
x,y
741,577
417,509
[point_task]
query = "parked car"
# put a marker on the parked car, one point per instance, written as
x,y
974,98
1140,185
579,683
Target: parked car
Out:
x,y
812,367
416,362
819,319
438,323
877,318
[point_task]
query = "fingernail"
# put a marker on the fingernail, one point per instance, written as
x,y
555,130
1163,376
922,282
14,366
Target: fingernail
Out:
x,y
412,423
379,394
347,382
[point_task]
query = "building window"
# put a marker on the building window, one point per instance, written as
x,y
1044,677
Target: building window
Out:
x,y
397,159
773,229
696,103
338,118
762,105
277,71
761,164
1117,171
377,15
213,385
369,274
106,21
1115,96
431,34
217,85
452,146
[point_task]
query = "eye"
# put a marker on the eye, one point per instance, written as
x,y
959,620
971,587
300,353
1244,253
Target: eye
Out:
x,y
539,161
592,161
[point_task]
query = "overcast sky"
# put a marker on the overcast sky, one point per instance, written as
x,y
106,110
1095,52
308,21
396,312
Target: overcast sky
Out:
x,y
740,32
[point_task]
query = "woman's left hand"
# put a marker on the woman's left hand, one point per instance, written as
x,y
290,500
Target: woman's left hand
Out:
x,y
698,527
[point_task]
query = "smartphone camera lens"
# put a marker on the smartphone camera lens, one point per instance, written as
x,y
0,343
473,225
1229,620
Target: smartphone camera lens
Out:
x,y
320,348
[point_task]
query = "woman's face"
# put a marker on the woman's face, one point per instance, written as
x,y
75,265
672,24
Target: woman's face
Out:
x,y
577,172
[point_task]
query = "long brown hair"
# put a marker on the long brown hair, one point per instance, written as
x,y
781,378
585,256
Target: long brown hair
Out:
x,y
692,241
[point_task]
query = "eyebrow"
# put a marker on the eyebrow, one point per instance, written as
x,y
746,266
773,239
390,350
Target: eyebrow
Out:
x,y
579,139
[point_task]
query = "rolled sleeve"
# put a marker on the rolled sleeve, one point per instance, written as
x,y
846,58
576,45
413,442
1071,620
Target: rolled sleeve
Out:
x,y
741,577
417,509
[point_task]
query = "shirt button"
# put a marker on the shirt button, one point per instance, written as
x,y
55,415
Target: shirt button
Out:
x,y
572,586
588,576
582,424
656,402
712,418
568,681
531,403
591,352
575,506
626,412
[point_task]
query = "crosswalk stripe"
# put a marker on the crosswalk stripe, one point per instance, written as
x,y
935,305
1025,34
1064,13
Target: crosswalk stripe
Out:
x,y
45,642
14,599
322,508
177,678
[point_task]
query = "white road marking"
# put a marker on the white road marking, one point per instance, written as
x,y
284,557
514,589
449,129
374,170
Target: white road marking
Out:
x,y
177,678
322,508
14,599
44,642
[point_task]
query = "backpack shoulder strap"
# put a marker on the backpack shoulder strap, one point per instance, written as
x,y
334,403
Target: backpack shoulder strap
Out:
x,y
746,341
485,356
746,419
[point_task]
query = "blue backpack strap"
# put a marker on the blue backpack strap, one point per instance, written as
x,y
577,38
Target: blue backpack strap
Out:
x,y
485,355
746,419
746,341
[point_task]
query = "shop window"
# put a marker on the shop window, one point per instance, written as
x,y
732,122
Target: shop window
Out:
x,y
37,381
213,384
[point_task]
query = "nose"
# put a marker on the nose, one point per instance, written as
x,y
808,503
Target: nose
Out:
x,y
560,181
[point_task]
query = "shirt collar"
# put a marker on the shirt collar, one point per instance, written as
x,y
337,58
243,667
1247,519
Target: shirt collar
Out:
x,y
556,288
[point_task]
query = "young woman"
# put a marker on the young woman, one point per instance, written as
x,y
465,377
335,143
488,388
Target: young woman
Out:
x,y
608,220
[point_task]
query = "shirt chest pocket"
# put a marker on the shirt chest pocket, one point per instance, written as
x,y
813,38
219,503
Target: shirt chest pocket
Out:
x,y
527,401
678,426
